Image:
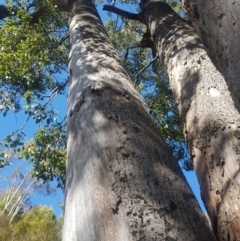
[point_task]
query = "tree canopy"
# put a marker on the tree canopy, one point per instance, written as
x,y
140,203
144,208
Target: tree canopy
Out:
x,y
33,61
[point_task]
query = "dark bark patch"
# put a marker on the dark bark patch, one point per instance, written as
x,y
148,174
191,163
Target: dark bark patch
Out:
x,y
116,208
188,196
126,155
77,105
156,182
170,239
173,206
123,179
195,12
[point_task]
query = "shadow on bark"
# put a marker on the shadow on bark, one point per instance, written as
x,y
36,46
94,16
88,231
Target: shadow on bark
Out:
x,y
148,186
140,171
210,120
220,177
119,167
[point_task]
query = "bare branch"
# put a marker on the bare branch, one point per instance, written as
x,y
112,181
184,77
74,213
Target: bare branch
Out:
x,y
123,13
146,66
66,36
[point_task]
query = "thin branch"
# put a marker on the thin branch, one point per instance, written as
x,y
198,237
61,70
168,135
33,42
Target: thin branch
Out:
x,y
126,54
51,96
13,195
138,30
25,123
55,92
146,66
66,36
116,23
123,13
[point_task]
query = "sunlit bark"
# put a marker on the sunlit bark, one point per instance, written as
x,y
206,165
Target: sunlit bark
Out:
x,y
122,182
211,121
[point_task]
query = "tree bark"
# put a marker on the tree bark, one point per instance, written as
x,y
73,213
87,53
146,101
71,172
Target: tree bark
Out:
x,y
211,121
217,24
122,182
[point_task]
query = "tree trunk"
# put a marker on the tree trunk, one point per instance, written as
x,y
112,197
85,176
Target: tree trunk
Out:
x,y
122,182
217,24
211,122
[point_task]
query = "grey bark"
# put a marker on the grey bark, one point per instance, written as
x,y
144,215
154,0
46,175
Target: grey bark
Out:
x,y
122,182
211,121
217,22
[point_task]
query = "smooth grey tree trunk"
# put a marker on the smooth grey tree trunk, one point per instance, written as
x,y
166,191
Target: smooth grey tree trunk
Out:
x,y
122,182
217,22
211,121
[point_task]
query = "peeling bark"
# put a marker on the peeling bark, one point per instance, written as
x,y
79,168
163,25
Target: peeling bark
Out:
x,y
217,22
211,121
122,182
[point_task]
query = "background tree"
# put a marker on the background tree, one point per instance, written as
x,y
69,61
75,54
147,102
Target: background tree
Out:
x,y
18,219
39,223
18,188
6,228
34,224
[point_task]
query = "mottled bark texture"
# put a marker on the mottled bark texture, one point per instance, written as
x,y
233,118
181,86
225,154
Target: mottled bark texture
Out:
x,y
122,182
217,22
211,121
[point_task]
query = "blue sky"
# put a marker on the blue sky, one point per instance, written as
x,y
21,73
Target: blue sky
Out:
x,y
13,121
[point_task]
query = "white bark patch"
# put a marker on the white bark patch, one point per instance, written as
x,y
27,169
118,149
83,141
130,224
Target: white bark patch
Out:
x,y
101,124
214,92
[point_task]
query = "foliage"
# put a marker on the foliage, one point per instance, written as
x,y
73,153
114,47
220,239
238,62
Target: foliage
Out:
x,y
33,58
37,223
58,229
176,5
18,219
47,152
6,228
33,61
30,55
18,188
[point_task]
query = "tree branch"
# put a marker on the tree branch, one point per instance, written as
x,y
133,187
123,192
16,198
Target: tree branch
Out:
x,y
4,12
36,15
66,36
124,14
146,66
